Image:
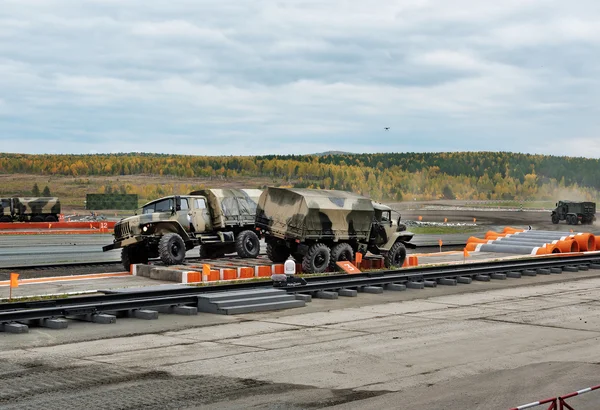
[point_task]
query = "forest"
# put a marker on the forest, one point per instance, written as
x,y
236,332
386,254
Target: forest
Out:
x,y
384,176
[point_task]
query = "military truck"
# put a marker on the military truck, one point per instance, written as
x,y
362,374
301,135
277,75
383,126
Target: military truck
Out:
x,y
321,227
36,209
219,221
574,212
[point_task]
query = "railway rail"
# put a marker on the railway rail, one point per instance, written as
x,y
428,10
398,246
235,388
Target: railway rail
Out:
x,y
188,295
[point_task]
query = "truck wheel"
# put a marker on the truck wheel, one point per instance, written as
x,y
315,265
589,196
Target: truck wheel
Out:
x,y
555,218
277,253
37,219
395,256
316,259
247,245
50,218
5,219
171,249
131,255
340,252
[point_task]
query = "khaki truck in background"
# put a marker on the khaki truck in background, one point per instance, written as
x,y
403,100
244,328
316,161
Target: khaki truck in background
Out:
x,y
35,209
321,227
219,221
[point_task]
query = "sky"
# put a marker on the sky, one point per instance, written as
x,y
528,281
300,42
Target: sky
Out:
x,y
246,77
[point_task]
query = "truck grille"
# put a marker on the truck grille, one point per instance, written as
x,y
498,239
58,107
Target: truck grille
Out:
x,y
122,230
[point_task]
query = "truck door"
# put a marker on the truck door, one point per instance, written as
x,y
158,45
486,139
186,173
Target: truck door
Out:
x,y
200,215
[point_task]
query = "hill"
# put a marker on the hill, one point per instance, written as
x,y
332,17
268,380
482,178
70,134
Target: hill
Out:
x,y
384,176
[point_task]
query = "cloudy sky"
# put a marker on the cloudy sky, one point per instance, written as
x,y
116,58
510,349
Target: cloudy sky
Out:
x,y
228,77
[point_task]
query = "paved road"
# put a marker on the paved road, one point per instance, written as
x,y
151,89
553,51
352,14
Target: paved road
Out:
x,y
28,250
496,348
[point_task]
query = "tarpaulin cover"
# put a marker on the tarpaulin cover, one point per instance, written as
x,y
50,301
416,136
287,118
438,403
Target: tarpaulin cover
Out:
x,y
231,206
305,213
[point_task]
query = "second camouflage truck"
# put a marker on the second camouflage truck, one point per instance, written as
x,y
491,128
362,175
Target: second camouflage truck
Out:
x,y
32,209
220,221
321,227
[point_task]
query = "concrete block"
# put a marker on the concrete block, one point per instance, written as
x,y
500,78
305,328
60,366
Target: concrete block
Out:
x,y
144,314
543,271
395,286
322,294
584,267
482,278
528,272
185,310
571,269
301,296
348,292
430,283
102,318
464,279
498,276
515,275
555,270
415,285
447,282
14,328
165,308
595,266
372,289
56,323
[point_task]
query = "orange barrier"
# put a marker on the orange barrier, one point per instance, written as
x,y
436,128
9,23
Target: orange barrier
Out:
x,y
61,232
494,235
229,274
58,225
471,247
508,229
246,272
586,242
67,278
567,245
473,239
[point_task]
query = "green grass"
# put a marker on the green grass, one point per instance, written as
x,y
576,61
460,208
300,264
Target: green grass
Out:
x,y
441,230
34,298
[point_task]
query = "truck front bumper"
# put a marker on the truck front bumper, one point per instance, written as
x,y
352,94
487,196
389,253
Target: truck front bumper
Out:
x,y
122,244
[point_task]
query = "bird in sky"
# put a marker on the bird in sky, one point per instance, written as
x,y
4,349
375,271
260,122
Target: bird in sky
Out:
x,y
387,128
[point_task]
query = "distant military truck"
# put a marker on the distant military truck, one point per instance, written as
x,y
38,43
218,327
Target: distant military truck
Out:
x,y
574,212
220,221
37,209
321,227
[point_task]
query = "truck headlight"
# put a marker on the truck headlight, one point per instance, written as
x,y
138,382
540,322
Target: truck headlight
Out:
x,y
145,228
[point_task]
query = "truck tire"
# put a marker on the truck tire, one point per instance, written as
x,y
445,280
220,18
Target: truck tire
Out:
x,y
316,259
340,252
277,253
247,245
395,256
171,249
130,255
555,219
51,218
5,218
37,219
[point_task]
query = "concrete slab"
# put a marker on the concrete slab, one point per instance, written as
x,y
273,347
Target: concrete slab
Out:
x,y
57,323
447,282
372,289
498,276
144,314
415,285
571,269
583,267
301,296
14,328
326,295
556,270
464,279
482,278
348,292
543,271
395,287
513,275
429,283
528,272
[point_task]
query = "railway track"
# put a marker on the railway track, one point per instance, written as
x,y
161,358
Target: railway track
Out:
x,y
88,306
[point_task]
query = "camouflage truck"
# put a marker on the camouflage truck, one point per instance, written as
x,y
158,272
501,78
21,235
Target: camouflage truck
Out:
x,y
574,212
321,227
37,209
219,221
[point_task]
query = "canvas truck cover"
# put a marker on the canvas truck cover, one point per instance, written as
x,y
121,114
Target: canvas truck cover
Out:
x,y
36,205
314,214
231,206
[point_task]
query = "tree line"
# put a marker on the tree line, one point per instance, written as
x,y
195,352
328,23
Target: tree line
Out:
x,y
385,176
